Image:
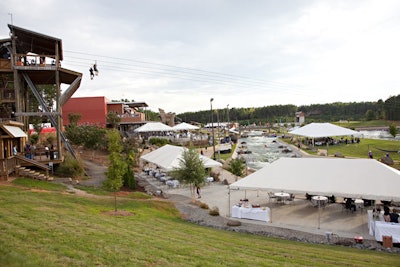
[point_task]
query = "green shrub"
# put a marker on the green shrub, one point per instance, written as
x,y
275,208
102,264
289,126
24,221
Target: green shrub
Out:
x,y
129,178
158,141
214,211
203,206
70,167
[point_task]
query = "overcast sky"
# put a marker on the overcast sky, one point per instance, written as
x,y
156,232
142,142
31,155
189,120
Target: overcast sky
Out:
x,y
178,54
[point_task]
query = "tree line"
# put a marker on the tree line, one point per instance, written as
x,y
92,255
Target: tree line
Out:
x,y
387,110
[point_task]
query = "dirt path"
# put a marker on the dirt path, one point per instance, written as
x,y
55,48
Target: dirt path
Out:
x,y
96,173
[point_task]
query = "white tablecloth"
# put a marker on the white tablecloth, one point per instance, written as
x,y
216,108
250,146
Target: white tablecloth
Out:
x,y
282,195
319,201
378,227
387,228
209,179
260,214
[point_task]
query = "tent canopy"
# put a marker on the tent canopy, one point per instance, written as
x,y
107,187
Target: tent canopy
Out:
x,y
168,157
355,178
184,126
154,127
319,130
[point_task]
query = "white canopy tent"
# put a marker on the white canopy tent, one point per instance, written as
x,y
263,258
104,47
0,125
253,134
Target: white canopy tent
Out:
x,y
168,157
154,127
184,126
354,178
319,130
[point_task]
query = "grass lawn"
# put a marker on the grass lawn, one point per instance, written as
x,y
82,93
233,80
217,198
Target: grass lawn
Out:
x,y
373,123
361,150
54,228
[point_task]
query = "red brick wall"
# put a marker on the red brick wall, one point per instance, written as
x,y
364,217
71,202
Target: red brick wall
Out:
x,y
92,109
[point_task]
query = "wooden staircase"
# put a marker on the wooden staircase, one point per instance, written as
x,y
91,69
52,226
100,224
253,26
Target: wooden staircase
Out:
x,y
26,172
22,169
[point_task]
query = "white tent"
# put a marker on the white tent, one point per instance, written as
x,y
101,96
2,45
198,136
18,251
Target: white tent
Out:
x,y
168,157
153,127
319,130
355,178
184,126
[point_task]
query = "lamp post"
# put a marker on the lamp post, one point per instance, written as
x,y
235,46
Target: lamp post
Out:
x,y
212,127
227,123
227,111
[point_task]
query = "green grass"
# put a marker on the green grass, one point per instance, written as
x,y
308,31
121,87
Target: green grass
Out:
x,y
373,123
361,150
58,229
37,184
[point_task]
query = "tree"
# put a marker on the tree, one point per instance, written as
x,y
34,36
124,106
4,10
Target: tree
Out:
x,y
191,170
236,166
117,167
129,175
370,115
113,119
393,129
74,118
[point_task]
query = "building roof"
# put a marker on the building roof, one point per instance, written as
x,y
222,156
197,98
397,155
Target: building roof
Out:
x,y
14,131
30,41
131,104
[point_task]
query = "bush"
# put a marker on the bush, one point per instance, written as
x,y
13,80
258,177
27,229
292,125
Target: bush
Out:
x,y
129,178
214,211
203,206
70,167
158,141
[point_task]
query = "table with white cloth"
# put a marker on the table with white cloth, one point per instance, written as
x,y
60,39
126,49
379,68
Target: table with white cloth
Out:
x,y
282,196
359,203
319,201
209,179
378,227
259,214
388,229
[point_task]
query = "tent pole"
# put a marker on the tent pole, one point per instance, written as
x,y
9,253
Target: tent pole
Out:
x,y
319,213
327,148
229,202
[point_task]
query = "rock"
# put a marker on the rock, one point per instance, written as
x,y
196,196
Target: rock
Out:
x,y
233,223
387,160
338,155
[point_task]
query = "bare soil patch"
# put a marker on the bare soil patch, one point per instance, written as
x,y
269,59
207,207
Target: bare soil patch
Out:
x,y
118,213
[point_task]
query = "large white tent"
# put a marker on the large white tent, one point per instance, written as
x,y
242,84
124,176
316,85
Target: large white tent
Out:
x,y
184,126
355,178
319,130
154,127
168,157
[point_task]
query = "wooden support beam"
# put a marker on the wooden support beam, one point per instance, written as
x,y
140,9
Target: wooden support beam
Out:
x,y
28,114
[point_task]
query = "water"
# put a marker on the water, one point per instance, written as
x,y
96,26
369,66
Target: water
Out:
x,y
378,134
264,150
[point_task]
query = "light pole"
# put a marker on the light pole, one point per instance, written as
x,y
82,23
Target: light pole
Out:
x,y
227,110
227,123
212,127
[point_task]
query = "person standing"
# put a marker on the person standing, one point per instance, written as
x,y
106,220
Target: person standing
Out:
x,y
370,155
198,191
15,151
46,151
51,152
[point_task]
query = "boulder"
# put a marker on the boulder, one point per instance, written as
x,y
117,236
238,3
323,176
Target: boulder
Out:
x,y
233,223
387,160
338,155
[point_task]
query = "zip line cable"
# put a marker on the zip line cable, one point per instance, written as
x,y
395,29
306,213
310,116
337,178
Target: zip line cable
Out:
x,y
219,77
